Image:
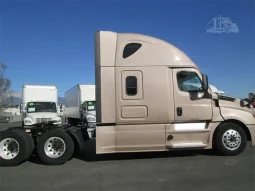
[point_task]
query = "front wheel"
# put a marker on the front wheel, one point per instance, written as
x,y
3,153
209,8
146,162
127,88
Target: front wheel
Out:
x,y
230,139
55,147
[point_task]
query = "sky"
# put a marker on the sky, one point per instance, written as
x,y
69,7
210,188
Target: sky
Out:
x,y
51,42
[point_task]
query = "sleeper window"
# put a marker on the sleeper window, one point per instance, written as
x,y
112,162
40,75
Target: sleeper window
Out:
x,y
130,49
131,85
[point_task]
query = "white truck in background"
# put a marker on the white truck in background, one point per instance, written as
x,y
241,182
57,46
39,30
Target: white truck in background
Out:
x,y
61,110
215,90
39,105
80,106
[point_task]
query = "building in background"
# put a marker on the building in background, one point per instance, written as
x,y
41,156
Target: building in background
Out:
x,y
12,110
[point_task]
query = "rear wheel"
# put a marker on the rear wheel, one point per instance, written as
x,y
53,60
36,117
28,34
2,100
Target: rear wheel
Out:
x,y
55,147
31,143
14,148
230,139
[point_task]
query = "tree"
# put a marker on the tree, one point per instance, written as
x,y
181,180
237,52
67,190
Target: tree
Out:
x,y
5,85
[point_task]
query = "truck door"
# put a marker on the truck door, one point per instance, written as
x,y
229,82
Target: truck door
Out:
x,y
136,109
191,103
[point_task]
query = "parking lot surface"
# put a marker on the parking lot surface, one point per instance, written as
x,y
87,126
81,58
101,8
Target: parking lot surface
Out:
x,y
171,171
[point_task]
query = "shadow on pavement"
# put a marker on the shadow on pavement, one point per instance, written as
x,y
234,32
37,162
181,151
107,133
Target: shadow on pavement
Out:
x,y
35,159
89,154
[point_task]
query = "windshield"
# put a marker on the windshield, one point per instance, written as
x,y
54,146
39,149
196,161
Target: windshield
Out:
x,y
33,107
91,106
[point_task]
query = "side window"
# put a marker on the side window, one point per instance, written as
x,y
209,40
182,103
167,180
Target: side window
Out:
x,y
130,49
131,85
189,81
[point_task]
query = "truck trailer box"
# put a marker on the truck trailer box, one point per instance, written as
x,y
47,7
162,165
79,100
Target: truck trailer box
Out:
x,y
75,96
39,93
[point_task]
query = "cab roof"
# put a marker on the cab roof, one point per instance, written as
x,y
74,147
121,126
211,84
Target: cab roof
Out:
x,y
132,49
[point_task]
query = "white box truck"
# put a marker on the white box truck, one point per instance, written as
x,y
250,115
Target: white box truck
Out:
x,y
80,106
39,105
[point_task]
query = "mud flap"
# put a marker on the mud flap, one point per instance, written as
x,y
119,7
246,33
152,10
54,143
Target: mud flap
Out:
x,y
79,136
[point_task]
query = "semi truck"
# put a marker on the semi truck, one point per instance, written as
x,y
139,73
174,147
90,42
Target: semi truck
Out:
x,y
80,106
142,105
39,104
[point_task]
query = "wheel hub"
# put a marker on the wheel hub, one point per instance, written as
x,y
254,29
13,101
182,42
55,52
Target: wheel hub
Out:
x,y
54,147
231,139
9,148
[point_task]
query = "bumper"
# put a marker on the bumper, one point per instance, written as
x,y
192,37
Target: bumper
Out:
x,y
252,132
57,123
91,125
46,123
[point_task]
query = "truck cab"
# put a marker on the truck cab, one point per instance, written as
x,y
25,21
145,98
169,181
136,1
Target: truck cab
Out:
x,y
39,105
152,97
88,113
39,112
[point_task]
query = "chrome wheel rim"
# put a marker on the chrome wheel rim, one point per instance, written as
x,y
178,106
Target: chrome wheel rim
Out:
x,y
231,139
54,147
9,148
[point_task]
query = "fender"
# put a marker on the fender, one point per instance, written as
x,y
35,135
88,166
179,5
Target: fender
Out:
x,y
234,114
245,118
79,136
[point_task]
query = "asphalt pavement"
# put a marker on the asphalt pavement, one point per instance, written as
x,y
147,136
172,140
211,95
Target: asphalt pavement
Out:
x,y
170,171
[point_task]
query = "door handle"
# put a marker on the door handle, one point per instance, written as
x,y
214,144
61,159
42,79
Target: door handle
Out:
x,y
179,111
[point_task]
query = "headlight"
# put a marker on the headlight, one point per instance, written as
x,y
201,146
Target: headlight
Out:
x,y
27,122
91,119
57,121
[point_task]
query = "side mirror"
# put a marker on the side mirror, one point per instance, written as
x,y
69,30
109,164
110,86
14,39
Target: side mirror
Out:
x,y
61,106
205,84
251,96
20,107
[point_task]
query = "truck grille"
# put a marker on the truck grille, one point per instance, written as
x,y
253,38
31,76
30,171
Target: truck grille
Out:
x,y
42,120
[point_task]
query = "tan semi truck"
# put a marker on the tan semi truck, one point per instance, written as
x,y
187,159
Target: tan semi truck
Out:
x,y
150,97
145,104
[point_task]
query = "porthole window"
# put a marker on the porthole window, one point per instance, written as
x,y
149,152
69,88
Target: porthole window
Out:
x,y
131,85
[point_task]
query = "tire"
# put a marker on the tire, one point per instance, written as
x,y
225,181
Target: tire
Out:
x,y
223,145
31,143
55,156
17,140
